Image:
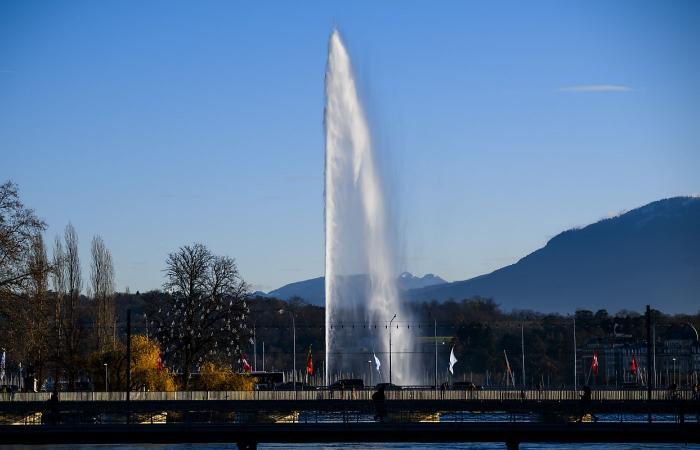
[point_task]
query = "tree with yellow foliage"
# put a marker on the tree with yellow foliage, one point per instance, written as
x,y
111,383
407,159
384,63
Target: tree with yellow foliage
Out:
x,y
219,377
146,372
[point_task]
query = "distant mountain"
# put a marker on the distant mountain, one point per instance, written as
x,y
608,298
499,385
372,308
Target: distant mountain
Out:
x,y
408,281
313,290
650,255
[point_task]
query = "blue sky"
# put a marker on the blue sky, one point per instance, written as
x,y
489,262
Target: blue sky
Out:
x,y
499,124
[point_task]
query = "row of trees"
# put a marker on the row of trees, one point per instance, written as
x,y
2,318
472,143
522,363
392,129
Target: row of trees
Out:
x,y
45,320
53,327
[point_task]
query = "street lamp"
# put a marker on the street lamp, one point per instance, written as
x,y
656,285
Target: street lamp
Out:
x,y
392,319
369,367
106,378
294,350
674,370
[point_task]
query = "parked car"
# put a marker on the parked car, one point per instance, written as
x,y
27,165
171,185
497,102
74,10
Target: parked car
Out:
x,y
289,386
466,386
349,383
388,387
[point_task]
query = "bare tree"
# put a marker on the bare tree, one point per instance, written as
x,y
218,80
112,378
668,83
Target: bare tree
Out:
x,y
23,272
67,282
102,284
18,226
31,316
58,283
204,316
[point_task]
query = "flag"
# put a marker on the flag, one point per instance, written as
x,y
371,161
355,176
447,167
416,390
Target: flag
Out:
x,y
453,359
376,362
2,365
309,363
159,362
508,369
594,363
633,366
246,365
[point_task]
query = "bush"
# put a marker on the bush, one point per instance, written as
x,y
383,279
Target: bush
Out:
x,y
217,377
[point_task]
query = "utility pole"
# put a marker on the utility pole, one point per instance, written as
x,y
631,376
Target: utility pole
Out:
x,y
390,322
128,355
255,351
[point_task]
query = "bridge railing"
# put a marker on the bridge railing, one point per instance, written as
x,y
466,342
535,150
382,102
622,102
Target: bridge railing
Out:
x,y
360,394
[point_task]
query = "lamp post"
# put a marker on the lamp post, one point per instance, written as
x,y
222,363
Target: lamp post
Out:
x,y
674,370
369,368
390,322
435,339
106,378
575,374
294,349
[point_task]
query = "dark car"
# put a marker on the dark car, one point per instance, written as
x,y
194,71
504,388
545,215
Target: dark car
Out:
x,y
289,386
465,386
388,387
349,383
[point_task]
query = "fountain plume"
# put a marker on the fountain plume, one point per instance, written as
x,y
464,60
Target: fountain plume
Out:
x,y
358,239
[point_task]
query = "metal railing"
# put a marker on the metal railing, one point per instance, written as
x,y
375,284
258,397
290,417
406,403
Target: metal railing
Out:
x,y
359,394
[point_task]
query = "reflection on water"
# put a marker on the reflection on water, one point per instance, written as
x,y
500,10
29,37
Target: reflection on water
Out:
x,y
379,446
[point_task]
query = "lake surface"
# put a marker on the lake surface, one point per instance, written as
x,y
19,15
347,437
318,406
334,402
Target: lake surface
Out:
x,y
382,446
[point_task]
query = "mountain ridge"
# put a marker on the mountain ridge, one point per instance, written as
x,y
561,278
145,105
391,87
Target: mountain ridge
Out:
x,y
650,254
647,255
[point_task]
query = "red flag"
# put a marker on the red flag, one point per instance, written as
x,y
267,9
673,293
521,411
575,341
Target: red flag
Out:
x,y
633,367
246,365
594,363
309,363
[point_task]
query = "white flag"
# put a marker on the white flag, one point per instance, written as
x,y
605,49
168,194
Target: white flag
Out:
x,y
2,365
453,360
377,363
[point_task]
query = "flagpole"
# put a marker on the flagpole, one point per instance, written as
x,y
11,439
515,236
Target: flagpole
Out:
x,y
255,351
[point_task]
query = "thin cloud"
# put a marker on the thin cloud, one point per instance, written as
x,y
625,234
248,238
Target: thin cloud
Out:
x,y
596,88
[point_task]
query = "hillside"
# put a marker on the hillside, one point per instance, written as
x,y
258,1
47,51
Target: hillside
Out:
x,y
648,255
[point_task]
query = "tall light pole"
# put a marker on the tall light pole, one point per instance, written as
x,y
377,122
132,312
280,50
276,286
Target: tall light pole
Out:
x,y
390,322
369,367
575,375
106,378
294,349
435,338
674,370
522,344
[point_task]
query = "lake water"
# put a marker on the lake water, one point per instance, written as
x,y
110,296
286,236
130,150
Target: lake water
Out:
x,y
382,446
